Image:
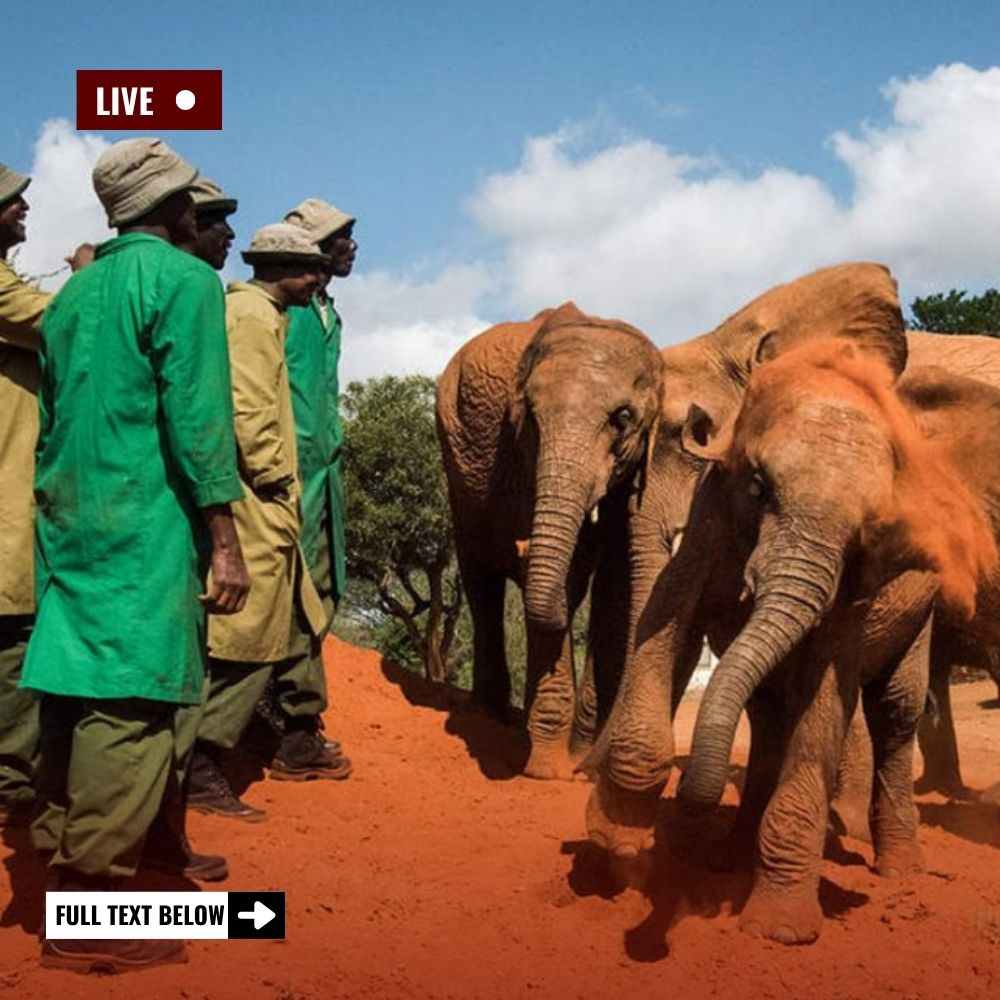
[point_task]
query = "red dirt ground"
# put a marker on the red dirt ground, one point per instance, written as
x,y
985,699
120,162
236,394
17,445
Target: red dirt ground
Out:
x,y
434,873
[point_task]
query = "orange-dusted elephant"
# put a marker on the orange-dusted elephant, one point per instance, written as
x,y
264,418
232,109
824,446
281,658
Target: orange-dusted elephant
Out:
x,y
857,510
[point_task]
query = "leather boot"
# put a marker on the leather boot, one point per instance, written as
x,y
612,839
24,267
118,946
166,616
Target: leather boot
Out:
x,y
175,856
304,756
209,790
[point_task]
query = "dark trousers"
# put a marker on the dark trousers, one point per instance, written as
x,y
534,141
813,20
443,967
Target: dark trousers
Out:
x,y
18,713
106,768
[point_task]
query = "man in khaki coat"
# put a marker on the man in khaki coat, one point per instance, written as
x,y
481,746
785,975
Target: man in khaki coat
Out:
x,y
21,309
284,609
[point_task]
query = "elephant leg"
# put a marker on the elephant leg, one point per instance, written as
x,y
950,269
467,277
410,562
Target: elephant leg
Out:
x,y
549,700
584,729
849,809
639,749
784,903
490,676
607,639
893,704
936,737
767,745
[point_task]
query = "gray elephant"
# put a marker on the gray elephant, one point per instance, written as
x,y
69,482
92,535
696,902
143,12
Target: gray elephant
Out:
x,y
856,510
544,427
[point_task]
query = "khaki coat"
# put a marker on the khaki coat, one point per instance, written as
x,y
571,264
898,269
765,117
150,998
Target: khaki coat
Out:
x,y
269,528
21,308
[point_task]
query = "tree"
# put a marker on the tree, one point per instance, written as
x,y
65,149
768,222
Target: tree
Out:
x,y
398,526
958,312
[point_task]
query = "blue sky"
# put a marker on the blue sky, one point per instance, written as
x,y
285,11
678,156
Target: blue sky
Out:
x,y
403,112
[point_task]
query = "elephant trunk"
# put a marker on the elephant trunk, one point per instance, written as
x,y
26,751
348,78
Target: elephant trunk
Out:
x,y
789,605
562,492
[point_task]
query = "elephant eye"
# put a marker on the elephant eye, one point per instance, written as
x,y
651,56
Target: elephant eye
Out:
x,y
622,419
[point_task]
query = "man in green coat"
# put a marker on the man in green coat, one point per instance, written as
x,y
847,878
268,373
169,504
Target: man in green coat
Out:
x,y
21,309
312,352
136,468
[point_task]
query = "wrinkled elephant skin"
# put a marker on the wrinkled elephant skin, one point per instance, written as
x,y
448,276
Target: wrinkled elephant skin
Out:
x,y
543,427
867,505
677,547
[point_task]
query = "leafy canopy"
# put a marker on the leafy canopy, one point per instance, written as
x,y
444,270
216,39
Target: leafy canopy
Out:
x,y
958,312
397,501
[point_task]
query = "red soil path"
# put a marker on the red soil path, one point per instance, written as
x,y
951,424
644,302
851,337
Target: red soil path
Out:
x,y
434,873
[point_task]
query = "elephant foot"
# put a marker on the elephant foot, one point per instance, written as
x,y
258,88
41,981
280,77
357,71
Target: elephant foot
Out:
x,y
619,821
849,818
789,917
899,860
552,762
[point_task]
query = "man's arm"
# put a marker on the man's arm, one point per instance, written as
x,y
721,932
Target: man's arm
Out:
x,y
190,358
230,581
256,358
332,350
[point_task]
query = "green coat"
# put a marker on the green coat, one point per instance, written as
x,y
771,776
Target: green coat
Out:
x,y
136,435
312,352
21,308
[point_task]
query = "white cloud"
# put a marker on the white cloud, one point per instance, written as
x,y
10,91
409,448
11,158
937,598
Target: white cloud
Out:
x,y
64,209
926,192
405,324
675,244
635,230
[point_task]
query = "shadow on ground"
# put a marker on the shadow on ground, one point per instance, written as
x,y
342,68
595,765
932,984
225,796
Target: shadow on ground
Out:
x,y
499,746
978,822
26,875
677,879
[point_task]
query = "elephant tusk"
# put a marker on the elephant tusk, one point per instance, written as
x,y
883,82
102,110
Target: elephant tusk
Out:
x,y
593,514
523,546
675,543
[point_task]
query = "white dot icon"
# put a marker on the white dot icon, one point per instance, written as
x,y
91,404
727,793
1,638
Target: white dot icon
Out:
x,y
185,100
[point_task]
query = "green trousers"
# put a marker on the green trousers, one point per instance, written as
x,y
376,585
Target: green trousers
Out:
x,y
234,688
18,713
106,768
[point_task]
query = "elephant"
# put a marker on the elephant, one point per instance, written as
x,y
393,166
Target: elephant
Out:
x,y
544,425
857,510
976,357
676,600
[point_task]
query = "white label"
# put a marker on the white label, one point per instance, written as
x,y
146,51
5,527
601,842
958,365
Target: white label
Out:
x,y
103,915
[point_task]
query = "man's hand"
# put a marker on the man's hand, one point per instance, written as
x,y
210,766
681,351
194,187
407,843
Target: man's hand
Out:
x,y
230,582
80,257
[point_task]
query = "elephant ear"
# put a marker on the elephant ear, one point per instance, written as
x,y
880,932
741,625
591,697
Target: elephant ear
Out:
x,y
545,321
703,437
859,302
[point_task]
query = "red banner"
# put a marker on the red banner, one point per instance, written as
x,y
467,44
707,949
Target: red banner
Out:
x,y
148,100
